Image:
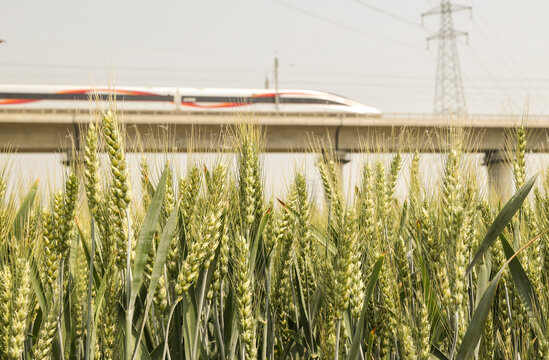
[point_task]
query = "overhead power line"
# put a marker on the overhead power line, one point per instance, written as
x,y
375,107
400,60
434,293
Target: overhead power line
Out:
x,y
346,26
389,14
506,58
501,44
126,68
486,70
316,72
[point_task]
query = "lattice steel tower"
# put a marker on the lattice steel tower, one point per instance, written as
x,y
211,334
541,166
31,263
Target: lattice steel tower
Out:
x,y
449,95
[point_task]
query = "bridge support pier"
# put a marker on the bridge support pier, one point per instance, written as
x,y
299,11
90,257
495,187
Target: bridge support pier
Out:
x,y
500,174
342,157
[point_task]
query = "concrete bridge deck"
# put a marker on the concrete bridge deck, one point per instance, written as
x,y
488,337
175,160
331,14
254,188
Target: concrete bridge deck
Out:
x,y
43,130
56,130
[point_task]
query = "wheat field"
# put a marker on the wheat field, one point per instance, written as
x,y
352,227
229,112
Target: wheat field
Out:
x,y
202,266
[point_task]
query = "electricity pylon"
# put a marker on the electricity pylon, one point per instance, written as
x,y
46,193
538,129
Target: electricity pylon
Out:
x,y
449,95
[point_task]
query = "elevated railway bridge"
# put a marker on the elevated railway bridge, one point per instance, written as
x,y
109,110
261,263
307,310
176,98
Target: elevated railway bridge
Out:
x,y
35,130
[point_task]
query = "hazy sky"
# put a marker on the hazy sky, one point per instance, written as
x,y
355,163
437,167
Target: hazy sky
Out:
x,y
340,46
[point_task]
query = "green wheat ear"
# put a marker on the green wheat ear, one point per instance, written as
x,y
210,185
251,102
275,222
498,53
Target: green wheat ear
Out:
x,y
3,187
6,295
66,219
120,187
519,162
91,170
244,290
48,328
348,273
204,240
51,258
189,188
145,183
20,309
367,218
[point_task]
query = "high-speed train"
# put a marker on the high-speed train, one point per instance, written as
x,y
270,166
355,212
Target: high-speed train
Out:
x,y
178,99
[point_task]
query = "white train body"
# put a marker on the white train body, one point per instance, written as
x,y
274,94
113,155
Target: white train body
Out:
x,y
178,99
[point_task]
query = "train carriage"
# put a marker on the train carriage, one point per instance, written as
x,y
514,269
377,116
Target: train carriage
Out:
x,y
178,99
